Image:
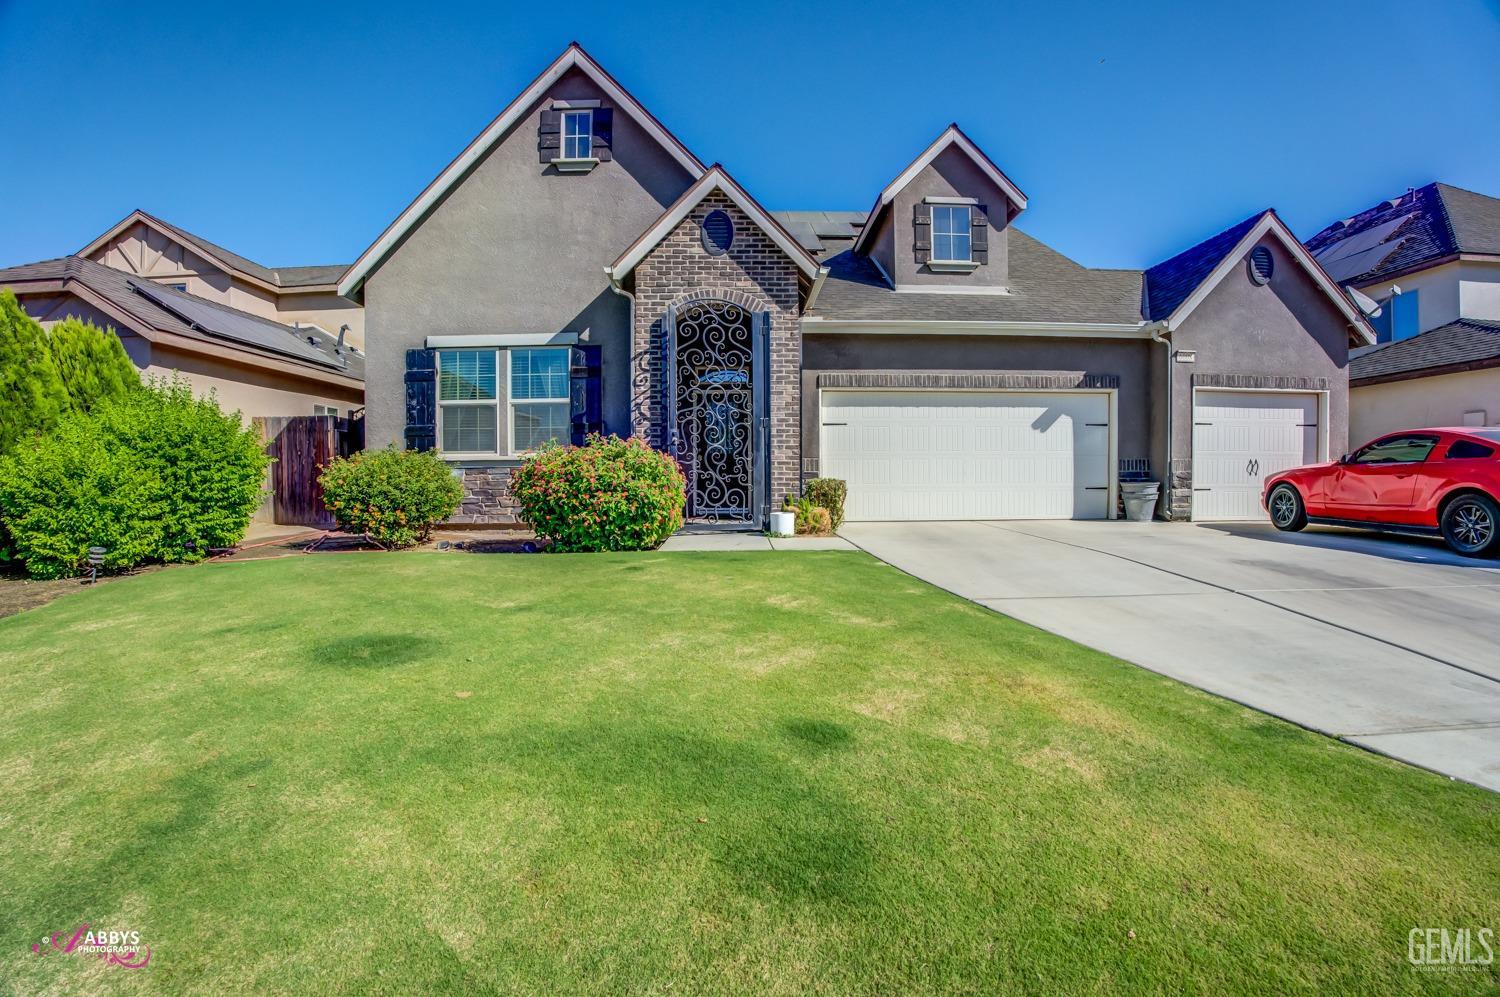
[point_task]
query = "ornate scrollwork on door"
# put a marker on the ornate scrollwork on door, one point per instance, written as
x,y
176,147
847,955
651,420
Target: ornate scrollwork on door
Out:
x,y
714,419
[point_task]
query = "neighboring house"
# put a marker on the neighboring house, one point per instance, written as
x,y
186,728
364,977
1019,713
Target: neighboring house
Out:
x,y
577,268
1431,259
257,366
146,246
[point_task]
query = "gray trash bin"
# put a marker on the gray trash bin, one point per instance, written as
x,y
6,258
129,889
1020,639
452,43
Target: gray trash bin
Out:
x,y
1140,499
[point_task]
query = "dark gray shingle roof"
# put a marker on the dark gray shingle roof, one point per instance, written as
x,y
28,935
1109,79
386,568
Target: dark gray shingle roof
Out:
x,y
1045,286
1467,341
162,308
1421,226
1169,283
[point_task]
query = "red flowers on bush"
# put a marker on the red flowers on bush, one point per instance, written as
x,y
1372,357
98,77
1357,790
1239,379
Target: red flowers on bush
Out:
x,y
610,494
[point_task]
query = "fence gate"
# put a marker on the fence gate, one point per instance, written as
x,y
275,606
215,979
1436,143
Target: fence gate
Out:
x,y
300,446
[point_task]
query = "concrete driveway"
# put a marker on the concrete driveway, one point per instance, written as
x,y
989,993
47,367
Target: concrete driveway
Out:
x,y
1387,643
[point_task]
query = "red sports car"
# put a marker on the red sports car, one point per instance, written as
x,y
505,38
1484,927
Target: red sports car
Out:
x,y
1434,482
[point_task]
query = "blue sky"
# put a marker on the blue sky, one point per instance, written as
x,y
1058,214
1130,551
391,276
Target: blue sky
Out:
x,y
293,133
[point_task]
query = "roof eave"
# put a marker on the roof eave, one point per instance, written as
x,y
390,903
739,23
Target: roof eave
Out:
x,y
950,136
1437,370
1271,223
352,283
716,178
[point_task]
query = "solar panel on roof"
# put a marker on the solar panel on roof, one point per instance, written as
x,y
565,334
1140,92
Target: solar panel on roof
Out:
x,y
1361,242
1346,267
232,325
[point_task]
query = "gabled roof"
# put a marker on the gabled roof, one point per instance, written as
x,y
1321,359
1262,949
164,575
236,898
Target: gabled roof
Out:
x,y
1176,286
716,179
276,279
951,136
1467,344
573,57
156,312
1421,228
1169,283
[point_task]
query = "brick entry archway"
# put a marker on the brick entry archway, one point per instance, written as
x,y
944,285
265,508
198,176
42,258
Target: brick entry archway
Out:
x,y
753,275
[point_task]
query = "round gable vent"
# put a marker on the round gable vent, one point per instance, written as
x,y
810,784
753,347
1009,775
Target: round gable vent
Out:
x,y
718,233
1262,265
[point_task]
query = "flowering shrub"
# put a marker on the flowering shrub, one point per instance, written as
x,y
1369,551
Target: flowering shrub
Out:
x,y
610,494
394,496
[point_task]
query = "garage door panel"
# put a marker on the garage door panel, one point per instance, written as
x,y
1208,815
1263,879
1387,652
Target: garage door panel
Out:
x,y
1239,438
970,455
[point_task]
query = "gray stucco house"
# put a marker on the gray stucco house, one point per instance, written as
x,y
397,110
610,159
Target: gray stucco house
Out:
x,y
578,269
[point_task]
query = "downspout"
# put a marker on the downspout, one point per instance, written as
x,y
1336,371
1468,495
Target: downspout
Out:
x,y
1158,331
614,285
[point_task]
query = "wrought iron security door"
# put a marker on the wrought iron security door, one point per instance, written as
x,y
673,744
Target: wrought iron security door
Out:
x,y
715,418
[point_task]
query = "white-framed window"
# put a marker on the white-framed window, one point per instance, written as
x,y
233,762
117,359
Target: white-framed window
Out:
x,y
538,397
577,134
468,404
474,417
325,410
950,233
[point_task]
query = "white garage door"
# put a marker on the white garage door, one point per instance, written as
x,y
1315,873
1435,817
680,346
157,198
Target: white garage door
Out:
x,y
1238,439
968,454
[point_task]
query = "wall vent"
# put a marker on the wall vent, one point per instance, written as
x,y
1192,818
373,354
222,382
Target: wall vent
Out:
x,y
1262,265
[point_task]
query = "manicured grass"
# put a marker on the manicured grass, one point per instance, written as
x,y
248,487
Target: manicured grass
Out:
x,y
680,773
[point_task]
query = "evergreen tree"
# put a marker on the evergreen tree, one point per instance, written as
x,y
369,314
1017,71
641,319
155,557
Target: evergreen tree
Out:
x,y
32,396
91,362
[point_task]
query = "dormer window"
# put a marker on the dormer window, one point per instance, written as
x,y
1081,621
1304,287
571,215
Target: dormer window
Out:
x,y
951,234
577,134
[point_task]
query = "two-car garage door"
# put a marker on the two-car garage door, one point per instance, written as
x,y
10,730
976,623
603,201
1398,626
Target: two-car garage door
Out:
x,y
922,455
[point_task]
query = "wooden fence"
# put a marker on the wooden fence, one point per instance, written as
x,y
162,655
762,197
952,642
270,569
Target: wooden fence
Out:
x,y
300,446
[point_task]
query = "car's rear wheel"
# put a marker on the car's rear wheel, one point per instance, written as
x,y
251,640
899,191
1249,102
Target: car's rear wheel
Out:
x,y
1287,513
1471,525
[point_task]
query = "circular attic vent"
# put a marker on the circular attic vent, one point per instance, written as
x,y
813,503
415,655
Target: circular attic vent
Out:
x,y
1262,265
718,233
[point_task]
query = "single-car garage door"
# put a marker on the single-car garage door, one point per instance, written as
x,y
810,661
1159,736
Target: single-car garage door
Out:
x,y
968,454
1240,437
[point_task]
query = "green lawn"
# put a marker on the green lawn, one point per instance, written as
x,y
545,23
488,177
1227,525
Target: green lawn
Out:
x,y
680,773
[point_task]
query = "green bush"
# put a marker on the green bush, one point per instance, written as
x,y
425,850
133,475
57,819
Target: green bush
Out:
x,y
395,496
811,519
829,493
157,475
92,363
610,494
32,396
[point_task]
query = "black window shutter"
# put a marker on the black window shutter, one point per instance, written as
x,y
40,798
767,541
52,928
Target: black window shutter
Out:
x,y
604,133
421,399
585,392
549,136
979,234
921,226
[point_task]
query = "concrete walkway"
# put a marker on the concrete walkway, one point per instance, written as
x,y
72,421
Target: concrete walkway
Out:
x,y
752,541
1387,643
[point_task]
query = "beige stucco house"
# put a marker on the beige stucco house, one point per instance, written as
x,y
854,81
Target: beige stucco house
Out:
x,y
147,247
1431,260
254,364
